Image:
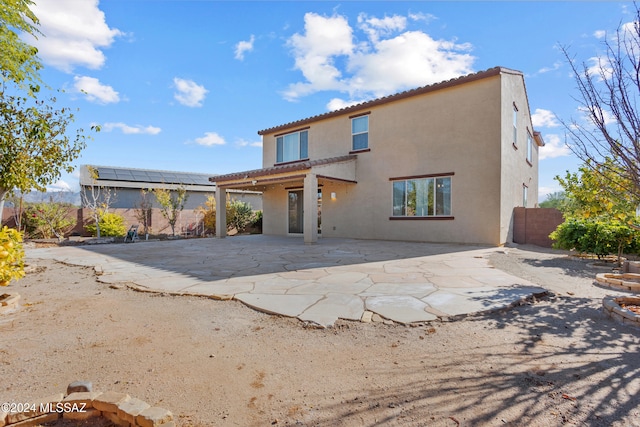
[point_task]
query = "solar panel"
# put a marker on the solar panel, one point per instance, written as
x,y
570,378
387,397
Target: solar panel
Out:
x,y
151,176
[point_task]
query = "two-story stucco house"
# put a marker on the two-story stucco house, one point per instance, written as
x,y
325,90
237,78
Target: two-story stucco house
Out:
x,y
446,162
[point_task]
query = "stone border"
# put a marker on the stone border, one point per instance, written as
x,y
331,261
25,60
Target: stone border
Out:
x,y
612,309
629,282
9,303
119,408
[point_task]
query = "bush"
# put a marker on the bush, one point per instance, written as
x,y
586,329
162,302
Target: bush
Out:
x,y
11,256
111,225
596,237
239,215
48,220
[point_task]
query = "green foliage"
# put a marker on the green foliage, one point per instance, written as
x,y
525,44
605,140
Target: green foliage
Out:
x,y
11,256
34,144
256,220
598,190
557,200
47,220
239,215
19,62
596,237
171,204
111,225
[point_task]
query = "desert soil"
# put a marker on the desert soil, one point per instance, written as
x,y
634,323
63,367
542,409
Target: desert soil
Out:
x,y
550,362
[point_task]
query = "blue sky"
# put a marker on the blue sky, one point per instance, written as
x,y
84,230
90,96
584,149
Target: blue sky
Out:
x,y
186,85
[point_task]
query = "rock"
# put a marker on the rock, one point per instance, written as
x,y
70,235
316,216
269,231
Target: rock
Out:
x,y
79,386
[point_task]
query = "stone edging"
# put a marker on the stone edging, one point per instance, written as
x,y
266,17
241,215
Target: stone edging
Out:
x,y
119,408
612,309
629,282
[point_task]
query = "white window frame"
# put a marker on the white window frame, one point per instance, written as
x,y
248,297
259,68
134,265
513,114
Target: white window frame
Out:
x,y
354,134
300,149
515,125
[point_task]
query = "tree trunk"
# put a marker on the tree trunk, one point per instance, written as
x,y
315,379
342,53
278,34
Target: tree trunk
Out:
x,y
3,195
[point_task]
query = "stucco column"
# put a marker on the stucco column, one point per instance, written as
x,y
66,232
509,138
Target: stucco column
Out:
x,y
221,213
311,208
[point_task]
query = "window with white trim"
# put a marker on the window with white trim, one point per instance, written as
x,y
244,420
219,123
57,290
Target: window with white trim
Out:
x,y
422,197
293,146
529,147
525,195
360,133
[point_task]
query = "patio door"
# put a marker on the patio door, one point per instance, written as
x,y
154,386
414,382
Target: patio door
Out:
x,y
296,213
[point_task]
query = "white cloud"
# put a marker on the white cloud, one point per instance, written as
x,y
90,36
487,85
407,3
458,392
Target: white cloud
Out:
x,y
244,46
544,119
554,147
338,104
390,58
95,91
554,67
209,139
189,93
376,27
600,34
245,143
127,129
74,32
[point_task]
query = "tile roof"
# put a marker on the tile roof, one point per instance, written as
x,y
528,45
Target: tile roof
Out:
x,y
390,98
282,168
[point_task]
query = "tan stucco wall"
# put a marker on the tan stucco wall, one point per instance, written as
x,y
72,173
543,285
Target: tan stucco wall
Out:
x,y
516,172
457,130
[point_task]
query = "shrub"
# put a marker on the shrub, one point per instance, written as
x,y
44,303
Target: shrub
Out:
x,y
239,215
11,256
111,225
596,237
48,220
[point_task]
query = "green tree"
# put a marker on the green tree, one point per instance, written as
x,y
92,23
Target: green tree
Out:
x,y
19,62
171,204
556,200
598,190
599,214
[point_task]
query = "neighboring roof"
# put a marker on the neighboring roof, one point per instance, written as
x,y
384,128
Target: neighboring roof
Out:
x,y
284,168
402,95
110,173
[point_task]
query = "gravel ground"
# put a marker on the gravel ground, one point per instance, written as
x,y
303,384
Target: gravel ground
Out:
x,y
218,363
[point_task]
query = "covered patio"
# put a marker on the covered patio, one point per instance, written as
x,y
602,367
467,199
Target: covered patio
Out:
x,y
308,175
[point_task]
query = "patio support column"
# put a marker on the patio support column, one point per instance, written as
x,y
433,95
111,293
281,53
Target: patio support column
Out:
x,y
221,212
310,208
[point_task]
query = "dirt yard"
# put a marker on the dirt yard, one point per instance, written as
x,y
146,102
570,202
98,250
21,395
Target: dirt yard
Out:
x,y
218,363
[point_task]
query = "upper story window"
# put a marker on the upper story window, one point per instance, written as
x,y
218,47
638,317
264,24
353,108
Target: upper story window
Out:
x,y
293,146
515,125
360,133
422,197
529,147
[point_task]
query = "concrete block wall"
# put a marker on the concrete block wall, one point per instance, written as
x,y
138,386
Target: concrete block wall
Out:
x,y
533,225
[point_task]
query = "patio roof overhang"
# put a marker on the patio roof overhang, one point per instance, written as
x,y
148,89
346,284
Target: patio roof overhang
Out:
x,y
306,174
340,169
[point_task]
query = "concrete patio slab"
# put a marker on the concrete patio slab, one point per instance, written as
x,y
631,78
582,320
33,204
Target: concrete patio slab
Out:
x,y
334,279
